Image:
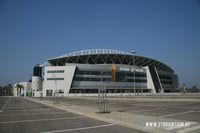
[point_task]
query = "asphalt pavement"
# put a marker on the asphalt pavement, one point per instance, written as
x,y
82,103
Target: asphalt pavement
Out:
x,y
136,112
19,115
181,110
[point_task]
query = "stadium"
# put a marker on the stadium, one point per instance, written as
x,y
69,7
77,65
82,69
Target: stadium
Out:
x,y
89,71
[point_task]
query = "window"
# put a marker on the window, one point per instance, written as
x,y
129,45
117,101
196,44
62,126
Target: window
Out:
x,y
55,78
55,71
136,74
91,79
137,80
129,77
165,77
166,82
49,92
78,72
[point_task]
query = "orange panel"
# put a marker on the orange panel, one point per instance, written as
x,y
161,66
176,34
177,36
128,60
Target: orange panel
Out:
x,y
113,72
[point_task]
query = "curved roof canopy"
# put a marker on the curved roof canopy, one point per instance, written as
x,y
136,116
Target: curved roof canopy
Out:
x,y
107,56
93,52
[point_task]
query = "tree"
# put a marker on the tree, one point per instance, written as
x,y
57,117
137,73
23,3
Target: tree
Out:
x,y
194,89
6,90
184,90
19,88
1,90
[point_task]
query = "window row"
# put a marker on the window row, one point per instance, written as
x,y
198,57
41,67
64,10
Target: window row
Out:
x,y
109,79
91,79
55,71
166,82
165,77
137,74
55,78
92,73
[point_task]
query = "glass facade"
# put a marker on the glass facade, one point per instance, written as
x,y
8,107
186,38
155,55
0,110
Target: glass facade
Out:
x,y
167,82
88,79
165,79
129,77
106,76
92,76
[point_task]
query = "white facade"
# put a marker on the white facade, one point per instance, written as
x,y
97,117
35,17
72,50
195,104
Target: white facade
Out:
x,y
150,84
36,86
57,79
26,89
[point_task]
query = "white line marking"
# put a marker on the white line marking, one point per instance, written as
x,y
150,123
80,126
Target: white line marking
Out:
x,y
52,119
188,108
189,129
196,111
5,104
143,105
123,108
28,109
35,113
177,113
77,129
145,110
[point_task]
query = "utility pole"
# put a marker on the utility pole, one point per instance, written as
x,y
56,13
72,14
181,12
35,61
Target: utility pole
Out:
x,y
56,94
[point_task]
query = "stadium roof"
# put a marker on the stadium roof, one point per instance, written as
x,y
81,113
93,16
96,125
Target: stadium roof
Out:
x,y
107,56
93,52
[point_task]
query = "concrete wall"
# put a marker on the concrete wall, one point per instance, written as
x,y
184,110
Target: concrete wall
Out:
x,y
56,81
36,86
150,84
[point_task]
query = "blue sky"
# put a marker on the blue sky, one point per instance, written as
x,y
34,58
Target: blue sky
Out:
x,y
32,31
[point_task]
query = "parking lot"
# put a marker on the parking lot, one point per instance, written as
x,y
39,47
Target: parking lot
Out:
x,y
181,110
19,115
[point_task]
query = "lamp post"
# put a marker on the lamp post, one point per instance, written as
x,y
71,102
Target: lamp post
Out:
x,y
56,90
133,52
184,88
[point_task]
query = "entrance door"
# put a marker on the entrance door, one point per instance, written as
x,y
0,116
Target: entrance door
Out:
x,y
49,92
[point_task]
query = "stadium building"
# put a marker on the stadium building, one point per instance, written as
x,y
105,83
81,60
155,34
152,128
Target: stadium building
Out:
x,y
86,72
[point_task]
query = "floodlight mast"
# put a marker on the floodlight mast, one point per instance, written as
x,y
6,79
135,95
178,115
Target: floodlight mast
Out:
x,y
133,52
